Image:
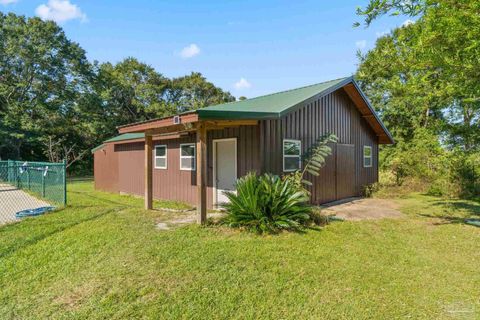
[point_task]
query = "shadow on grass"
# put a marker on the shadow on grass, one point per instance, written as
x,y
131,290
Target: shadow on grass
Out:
x,y
222,223
470,208
25,242
104,200
457,211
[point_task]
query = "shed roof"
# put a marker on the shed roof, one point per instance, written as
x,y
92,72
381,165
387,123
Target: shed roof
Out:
x,y
269,106
127,136
272,106
121,137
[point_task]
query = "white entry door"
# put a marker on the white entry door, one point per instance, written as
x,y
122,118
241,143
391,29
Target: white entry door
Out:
x,y
224,168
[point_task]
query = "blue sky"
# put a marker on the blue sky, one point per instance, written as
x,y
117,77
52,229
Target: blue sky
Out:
x,y
271,45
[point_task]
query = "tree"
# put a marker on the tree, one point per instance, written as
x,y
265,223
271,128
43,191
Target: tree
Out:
x,y
431,67
43,75
424,79
129,91
194,91
55,104
377,8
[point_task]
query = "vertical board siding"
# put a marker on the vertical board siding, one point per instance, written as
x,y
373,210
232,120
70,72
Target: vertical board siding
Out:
x,y
119,167
105,169
172,183
333,113
248,152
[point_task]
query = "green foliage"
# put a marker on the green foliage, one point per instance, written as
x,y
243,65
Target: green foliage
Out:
x,y
267,203
318,218
44,83
378,8
465,171
50,94
314,158
370,189
193,91
424,80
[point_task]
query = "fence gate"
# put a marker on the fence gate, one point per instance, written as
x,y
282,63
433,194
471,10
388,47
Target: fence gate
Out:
x,y
29,185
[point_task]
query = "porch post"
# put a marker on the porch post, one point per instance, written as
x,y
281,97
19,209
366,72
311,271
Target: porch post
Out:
x,y
148,171
201,173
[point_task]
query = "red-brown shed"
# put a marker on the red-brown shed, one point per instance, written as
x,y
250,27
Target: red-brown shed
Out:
x,y
194,157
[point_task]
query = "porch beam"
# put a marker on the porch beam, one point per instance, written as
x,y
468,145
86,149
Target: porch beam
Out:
x,y
174,129
148,170
201,173
213,124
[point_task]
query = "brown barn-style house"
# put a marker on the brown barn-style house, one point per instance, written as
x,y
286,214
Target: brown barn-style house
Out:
x,y
195,156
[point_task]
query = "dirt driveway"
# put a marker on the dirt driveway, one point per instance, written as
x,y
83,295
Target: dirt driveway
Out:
x,y
355,209
13,200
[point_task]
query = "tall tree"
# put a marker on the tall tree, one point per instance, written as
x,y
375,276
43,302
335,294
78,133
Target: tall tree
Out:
x,y
429,69
130,91
194,91
43,75
54,104
424,77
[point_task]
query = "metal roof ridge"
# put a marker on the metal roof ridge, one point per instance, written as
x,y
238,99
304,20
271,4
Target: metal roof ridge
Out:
x,y
279,92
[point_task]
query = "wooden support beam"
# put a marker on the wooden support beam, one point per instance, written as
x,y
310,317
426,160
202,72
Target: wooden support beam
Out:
x,y
230,123
201,173
174,129
148,171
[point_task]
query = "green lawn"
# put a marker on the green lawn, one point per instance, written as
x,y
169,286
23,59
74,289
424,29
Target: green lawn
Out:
x,y
102,257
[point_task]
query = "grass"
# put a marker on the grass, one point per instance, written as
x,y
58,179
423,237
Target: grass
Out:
x,y
102,257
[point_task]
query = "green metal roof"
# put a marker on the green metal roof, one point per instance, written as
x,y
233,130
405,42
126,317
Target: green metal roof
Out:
x,y
264,107
270,106
122,137
97,148
127,136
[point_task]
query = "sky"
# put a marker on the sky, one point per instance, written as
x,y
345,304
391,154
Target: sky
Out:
x,y
249,48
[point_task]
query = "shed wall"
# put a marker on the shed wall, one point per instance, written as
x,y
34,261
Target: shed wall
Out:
x,y
173,183
120,168
105,169
333,113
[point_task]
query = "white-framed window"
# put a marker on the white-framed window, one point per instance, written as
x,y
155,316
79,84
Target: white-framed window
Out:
x,y
187,156
161,157
367,156
292,154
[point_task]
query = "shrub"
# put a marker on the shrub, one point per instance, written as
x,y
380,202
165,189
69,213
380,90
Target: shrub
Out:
x,y
267,203
317,218
370,189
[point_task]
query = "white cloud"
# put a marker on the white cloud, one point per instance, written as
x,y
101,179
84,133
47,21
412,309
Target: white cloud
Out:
x,y
242,84
7,2
380,34
407,23
190,51
60,11
361,44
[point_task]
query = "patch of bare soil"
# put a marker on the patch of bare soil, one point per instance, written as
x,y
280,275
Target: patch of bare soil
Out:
x,y
356,209
183,220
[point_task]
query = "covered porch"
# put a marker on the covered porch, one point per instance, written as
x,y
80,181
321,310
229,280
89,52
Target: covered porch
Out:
x,y
172,127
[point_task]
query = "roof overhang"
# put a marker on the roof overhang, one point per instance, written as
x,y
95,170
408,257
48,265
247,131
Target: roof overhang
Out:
x,y
182,123
368,113
217,119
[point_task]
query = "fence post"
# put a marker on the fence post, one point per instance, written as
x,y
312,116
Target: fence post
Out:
x,y
43,184
9,171
16,167
64,167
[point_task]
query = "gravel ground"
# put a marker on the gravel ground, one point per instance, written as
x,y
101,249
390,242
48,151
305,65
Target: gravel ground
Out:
x,y
13,200
355,209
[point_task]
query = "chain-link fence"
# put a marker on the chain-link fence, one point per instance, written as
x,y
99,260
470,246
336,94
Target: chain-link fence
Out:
x,y
29,186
